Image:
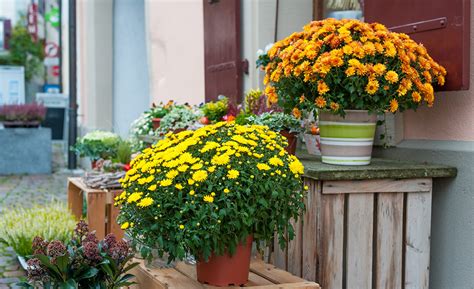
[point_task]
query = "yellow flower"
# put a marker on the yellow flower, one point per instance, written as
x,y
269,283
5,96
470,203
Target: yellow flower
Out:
x,y
145,202
220,159
226,190
172,174
190,182
372,86
166,182
179,186
393,105
125,226
152,187
199,176
208,198
391,76
134,197
274,161
183,168
196,166
192,192
296,167
263,167
181,227
211,169
379,69
233,174
320,102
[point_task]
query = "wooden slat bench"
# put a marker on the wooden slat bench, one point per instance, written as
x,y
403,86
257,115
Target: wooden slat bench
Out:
x,y
101,213
183,276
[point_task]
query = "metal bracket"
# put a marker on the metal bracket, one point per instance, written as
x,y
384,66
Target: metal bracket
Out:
x,y
245,66
432,24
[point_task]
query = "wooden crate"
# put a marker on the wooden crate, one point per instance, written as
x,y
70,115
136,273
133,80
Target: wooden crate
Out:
x,y
101,213
183,276
363,234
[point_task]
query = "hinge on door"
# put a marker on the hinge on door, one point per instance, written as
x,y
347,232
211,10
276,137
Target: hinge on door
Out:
x,y
432,24
245,66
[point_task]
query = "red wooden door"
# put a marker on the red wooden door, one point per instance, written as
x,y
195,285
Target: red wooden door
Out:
x,y
443,26
222,60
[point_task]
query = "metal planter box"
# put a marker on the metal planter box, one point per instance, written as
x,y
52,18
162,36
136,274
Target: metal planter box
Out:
x,y
25,151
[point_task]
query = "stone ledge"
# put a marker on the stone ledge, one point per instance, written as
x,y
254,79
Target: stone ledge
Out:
x,y
378,169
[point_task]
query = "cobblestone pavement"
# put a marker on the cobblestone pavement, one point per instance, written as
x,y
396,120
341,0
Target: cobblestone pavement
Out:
x,y
26,190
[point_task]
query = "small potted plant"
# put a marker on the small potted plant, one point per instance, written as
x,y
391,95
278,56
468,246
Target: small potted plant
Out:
x,y
311,139
209,193
159,111
84,262
179,118
350,71
97,145
288,126
22,115
214,111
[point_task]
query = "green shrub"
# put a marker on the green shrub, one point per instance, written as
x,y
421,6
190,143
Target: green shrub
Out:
x,y
18,226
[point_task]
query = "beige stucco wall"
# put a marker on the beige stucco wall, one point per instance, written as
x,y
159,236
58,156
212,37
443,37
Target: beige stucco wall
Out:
x,y
175,47
451,117
95,63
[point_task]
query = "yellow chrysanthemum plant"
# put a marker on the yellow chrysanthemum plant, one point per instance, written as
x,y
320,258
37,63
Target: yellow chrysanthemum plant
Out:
x,y
204,192
339,65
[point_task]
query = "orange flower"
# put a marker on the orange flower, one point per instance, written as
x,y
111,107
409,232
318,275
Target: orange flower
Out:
x,y
334,106
393,105
416,96
379,68
296,113
320,102
322,87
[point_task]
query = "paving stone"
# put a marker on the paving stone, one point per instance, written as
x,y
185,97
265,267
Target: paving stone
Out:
x,y
12,267
9,280
14,273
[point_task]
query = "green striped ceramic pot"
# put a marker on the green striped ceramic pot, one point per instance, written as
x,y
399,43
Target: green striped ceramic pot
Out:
x,y
348,140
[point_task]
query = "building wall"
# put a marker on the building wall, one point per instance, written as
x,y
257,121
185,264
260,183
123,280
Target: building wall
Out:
x,y
95,63
445,134
130,64
258,29
175,34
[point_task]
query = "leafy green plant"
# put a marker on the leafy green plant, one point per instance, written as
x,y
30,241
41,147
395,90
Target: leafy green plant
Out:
x,y
24,52
277,121
84,262
205,191
18,226
124,152
215,110
180,117
97,144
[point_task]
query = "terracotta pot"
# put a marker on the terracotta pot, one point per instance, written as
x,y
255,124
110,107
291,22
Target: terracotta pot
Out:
x,y
156,123
292,140
94,164
227,270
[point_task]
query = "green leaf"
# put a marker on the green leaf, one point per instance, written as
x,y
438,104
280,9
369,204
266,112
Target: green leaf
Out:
x,y
62,262
69,284
89,273
53,269
24,285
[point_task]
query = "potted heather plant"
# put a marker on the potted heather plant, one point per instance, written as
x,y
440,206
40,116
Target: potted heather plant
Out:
x,y
209,193
22,115
84,262
349,71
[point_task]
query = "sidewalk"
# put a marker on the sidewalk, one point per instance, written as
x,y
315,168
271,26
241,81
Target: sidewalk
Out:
x,y
26,190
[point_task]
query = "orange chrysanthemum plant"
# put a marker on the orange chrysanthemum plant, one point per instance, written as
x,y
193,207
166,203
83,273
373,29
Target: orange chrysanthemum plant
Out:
x,y
346,64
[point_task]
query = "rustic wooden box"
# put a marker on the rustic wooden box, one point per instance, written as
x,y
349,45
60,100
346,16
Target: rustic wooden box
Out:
x,y
364,227
101,213
183,276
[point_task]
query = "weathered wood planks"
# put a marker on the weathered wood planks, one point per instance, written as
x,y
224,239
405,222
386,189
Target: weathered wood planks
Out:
x,y
364,234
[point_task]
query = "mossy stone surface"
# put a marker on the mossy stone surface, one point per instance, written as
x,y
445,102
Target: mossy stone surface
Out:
x,y
378,169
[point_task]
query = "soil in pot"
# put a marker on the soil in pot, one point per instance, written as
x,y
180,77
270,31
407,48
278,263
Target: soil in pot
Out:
x,y
156,123
292,141
226,270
